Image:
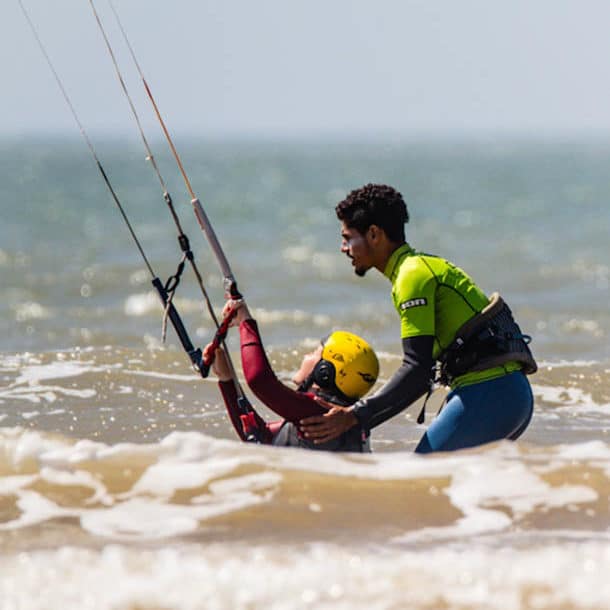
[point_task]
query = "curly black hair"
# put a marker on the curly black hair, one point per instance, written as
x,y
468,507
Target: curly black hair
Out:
x,y
375,204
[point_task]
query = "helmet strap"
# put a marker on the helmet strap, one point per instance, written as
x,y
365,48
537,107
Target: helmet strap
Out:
x,y
336,397
333,395
323,375
306,384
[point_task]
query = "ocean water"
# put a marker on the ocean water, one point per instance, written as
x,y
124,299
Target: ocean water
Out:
x,y
118,464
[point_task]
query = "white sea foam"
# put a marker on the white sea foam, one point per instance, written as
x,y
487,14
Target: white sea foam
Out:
x,y
579,325
143,511
24,312
9,485
298,254
142,304
14,362
478,486
556,364
321,576
592,450
158,375
29,384
37,394
575,400
325,263
34,374
563,396
492,488
294,316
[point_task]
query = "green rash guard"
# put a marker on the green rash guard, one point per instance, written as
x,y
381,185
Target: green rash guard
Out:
x,y
435,298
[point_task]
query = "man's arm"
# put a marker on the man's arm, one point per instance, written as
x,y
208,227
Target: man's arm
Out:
x,y
410,381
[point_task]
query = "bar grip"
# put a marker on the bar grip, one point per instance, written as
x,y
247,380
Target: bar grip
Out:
x,y
194,354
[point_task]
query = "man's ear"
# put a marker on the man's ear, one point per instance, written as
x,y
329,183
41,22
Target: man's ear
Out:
x,y
375,233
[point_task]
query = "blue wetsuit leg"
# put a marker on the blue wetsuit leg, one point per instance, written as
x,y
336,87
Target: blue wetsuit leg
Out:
x,y
481,413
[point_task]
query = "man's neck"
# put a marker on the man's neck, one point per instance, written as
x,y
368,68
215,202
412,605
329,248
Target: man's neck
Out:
x,y
385,252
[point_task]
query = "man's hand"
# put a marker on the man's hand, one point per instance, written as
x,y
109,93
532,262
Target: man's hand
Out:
x,y
324,428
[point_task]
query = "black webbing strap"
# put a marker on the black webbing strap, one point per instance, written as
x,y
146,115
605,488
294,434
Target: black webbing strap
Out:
x,y
172,314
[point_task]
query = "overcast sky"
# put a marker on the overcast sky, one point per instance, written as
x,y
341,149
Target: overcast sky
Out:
x,y
303,66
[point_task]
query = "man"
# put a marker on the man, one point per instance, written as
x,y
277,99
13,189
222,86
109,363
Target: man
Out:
x,y
447,325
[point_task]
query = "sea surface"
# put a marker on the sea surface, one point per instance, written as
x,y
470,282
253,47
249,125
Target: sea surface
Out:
x,y
122,483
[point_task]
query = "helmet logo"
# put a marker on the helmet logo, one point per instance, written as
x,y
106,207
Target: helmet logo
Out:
x,y
367,377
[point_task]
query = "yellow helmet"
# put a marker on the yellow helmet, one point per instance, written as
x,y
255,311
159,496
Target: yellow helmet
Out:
x,y
348,368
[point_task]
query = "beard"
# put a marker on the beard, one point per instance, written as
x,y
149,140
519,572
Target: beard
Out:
x,y
360,271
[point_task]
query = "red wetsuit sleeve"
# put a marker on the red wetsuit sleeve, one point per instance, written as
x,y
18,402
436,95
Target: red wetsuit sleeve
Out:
x,y
287,403
229,395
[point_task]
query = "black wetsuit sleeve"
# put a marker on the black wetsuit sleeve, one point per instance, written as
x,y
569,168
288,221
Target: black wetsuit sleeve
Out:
x,y
408,383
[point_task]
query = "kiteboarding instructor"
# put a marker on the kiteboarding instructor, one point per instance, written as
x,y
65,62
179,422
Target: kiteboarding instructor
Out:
x,y
451,333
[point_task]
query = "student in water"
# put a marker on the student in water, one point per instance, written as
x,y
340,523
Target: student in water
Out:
x,y
341,370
